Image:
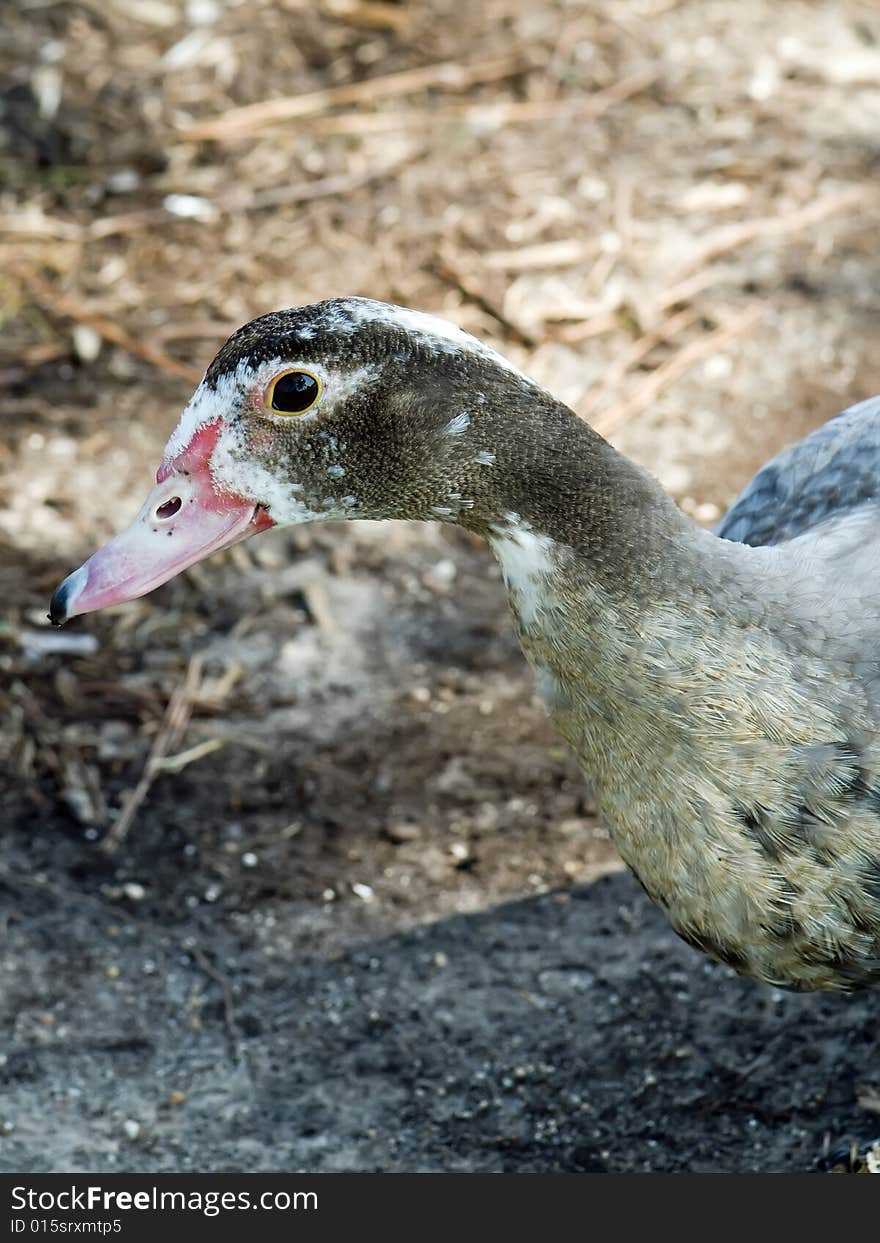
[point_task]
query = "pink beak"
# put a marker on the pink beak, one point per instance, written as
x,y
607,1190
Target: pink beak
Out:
x,y
184,518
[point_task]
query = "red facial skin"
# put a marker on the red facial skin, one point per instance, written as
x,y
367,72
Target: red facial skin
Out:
x,y
185,518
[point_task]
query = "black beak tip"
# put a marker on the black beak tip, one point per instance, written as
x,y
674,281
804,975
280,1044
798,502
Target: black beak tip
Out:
x,y
58,605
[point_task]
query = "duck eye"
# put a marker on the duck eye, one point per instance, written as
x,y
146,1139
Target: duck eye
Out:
x,y
295,392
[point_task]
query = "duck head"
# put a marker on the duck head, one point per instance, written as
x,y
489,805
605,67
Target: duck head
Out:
x,y
348,408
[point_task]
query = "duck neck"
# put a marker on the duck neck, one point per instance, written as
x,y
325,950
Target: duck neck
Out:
x,y
631,616
556,483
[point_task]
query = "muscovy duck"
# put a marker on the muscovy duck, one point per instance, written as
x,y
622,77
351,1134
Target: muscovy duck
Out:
x,y
721,690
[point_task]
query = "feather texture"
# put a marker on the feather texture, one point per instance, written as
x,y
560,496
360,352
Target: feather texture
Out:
x,y
830,473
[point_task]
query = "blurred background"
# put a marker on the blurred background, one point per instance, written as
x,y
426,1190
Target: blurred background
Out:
x,y
664,210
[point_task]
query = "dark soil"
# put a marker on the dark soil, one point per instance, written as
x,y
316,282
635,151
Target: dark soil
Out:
x,y
567,1032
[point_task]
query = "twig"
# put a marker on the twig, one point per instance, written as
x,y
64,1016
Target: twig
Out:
x,y
637,351
36,355
126,222
15,880
192,329
696,273
240,200
446,75
62,304
572,310
319,606
373,14
730,237
446,267
601,322
170,732
588,108
232,1029
14,367
38,224
563,253
682,362
177,763
605,320
493,114
321,187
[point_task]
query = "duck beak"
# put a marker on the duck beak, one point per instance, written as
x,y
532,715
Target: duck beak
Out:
x,y
185,518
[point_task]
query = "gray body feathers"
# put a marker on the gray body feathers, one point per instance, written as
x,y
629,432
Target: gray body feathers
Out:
x,y
832,472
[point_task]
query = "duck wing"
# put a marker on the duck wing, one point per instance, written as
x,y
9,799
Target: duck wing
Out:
x,y
830,474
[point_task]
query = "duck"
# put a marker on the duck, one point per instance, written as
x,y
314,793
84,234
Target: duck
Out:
x,y
720,689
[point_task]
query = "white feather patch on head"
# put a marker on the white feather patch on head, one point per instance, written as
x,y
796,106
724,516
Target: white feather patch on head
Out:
x,y
438,334
285,500
244,477
206,405
337,386
232,472
484,458
209,403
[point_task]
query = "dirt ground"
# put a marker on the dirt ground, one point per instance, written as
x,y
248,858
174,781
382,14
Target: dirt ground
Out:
x,y
361,916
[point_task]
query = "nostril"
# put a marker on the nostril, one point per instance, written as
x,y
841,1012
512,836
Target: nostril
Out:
x,y
169,508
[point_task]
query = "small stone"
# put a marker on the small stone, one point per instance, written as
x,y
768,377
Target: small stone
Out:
x,y
176,1097
487,819
134,891
329,895
47,88
249,859
202,12
86,343
435,863
112,971
718,367
441,575
440,960
132,1128
403,832
123,181
364,892
707,512
190,207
